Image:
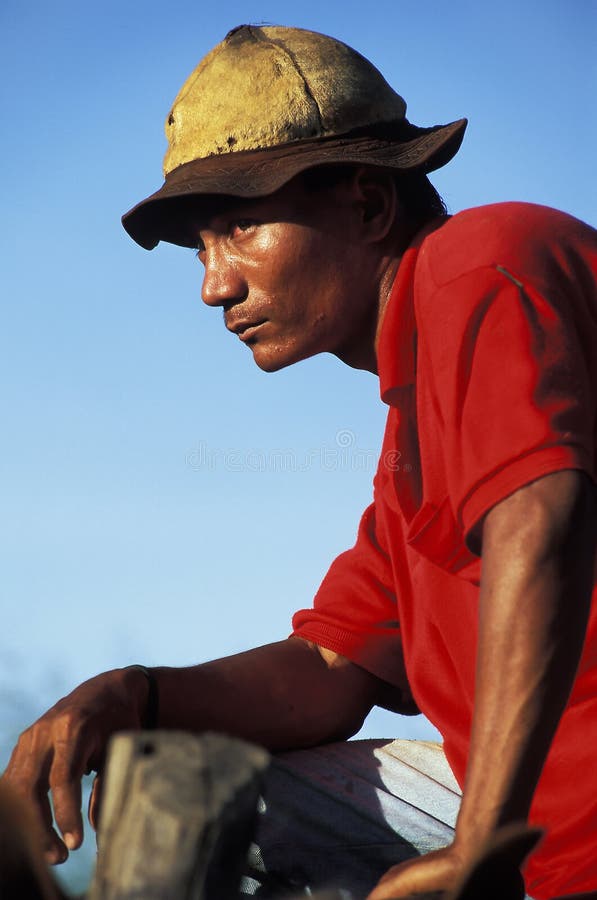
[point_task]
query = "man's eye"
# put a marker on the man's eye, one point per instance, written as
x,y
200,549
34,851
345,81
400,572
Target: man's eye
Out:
x,y
241,225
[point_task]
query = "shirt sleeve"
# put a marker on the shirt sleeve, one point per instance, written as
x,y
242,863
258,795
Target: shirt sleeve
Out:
x,y
513,377
354,611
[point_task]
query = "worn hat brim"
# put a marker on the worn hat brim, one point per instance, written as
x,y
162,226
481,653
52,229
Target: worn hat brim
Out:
x,y
164,215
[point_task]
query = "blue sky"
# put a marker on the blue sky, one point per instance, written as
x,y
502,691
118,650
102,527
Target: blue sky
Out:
x,y
144,518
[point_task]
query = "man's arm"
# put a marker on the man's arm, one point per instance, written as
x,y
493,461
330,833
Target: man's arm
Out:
x,y
538,551
289,694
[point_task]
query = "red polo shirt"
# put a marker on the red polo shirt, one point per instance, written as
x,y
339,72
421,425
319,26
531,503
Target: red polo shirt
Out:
x,y
488,363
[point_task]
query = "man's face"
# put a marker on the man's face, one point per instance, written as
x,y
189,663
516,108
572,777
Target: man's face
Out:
x,y
290,273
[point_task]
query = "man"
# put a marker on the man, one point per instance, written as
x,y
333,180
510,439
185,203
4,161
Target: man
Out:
x,y
292,169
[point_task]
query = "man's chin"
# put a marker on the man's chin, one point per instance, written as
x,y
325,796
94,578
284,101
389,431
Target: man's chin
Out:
x,y
272,361
268,364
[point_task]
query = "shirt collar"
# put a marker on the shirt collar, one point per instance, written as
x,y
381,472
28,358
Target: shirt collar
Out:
x,y
397,344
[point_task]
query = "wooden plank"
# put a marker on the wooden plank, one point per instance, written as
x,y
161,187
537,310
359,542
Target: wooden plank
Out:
x,y
174,803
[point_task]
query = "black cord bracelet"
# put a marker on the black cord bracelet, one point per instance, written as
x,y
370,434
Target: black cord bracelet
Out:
x,y
150,719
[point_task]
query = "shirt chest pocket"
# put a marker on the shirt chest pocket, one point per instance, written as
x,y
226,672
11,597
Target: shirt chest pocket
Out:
x,y
434,533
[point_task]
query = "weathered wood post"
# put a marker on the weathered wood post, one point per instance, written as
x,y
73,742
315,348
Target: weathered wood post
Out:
x,y
174,803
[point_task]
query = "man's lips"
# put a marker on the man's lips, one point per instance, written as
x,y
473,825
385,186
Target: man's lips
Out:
x,y
245,328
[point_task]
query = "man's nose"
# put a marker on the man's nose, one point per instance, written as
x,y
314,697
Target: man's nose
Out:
x,y
223,284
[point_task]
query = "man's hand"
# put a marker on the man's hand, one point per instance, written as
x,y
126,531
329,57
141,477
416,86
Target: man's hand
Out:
x,y
492,874
67,742
439,870
286,695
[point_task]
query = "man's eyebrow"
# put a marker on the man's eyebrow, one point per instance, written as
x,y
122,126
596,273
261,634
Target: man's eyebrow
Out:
x,y
219,207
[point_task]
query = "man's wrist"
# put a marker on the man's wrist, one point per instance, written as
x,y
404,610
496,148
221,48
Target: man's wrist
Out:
x,y
150,714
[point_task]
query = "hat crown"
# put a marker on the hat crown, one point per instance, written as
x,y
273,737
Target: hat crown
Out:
x,y
262,87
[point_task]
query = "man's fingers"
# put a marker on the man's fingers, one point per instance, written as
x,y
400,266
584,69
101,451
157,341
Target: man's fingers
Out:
x,y
66,798
53,848
25,774
68,740
44,834
433,873
55,851
95,800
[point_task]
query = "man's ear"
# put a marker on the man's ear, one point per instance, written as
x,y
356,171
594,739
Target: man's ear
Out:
x,y
376,200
